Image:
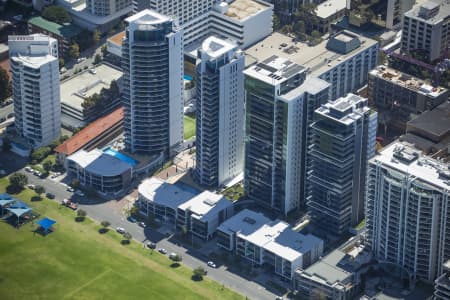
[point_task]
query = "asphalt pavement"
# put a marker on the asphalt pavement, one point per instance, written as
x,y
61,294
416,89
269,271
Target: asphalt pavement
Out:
x,y
101,211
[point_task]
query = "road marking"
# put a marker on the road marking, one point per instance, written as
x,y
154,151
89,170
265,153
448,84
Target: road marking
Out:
x,y
88,283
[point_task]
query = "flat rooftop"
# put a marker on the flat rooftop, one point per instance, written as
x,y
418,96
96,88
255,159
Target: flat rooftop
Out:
x,y
435,121
242,9
330,7
344,110
67,31
406,159
117,38
163,193
318,59
34,61
86,84
327,269
206,205
443,11
216,47
274,70
407,81
97,162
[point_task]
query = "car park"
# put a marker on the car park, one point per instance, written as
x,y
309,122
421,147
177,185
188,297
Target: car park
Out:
x,y
211,264
120,230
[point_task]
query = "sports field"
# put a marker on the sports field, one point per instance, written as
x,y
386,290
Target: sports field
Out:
x,y
76,262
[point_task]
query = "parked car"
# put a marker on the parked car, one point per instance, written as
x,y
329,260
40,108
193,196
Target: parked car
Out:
x,y
172,255
10,115
70,189
131,219
211,264
69,204
120,230
28,169
151,245
142,224
31,186
50,196
162,251
81,59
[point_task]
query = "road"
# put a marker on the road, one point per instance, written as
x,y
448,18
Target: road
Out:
x,y
101,211
4,111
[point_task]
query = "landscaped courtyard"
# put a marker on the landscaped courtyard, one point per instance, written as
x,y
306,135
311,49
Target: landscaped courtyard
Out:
x,y
189,127
75,261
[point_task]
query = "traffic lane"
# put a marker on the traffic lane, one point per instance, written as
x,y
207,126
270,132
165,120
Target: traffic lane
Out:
x,y
6,110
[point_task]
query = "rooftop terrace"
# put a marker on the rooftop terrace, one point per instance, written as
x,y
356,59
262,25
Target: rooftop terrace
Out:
x,y
242,9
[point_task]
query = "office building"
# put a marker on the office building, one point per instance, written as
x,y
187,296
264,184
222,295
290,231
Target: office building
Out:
x,y
442,284
344,133
244,21
395,11
100,171
152,62
398,96
279,110
220,112
106,7
407,210
199,214
343,60
35,88
329,12
260,241
426,29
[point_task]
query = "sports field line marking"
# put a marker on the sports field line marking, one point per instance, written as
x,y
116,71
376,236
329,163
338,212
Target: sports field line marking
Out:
x,y
88,283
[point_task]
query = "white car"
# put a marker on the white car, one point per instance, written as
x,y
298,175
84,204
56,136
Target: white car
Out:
x,y
79,193
120,230
70,189
31,186
28,169
81,59
211,264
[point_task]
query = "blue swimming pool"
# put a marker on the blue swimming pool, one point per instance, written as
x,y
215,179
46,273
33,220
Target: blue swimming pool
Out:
x,y
122,157
187,77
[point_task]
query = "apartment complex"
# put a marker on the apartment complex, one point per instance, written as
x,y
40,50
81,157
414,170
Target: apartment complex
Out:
x,y
329,12
407,210
220,112
260,240
343,60
344,133
106,7
426,28
393,91
279,110
395,11
152,62
244,21
35,88
442,284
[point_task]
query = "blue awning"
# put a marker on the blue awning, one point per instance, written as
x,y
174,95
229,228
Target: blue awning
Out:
x,y
19,204
5,196
19,211
46,223
4,202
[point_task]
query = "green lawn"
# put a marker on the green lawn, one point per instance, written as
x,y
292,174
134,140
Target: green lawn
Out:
x,y
76,262
189,127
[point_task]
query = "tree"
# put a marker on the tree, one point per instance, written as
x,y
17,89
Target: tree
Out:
x,y
47,165
299,27
56,14
5,85
18,180
95,37
198,273
75,183
74,50
61,62
40,153
105,225
104,50
97,59
81,215
39,190
275,22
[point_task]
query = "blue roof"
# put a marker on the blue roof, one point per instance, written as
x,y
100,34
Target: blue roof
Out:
x,y
46,223
4,202
19,204
5,196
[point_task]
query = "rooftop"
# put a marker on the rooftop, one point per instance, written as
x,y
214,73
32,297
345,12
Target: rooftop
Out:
x,y
274,236
68,30
163,193
206,205
216,47
406,159
274,70
407,81
312,85
89,133
330,7
431,12
34,61
97,162
435,121
242,9
317,59
86,84
146,19
117,38
344,110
